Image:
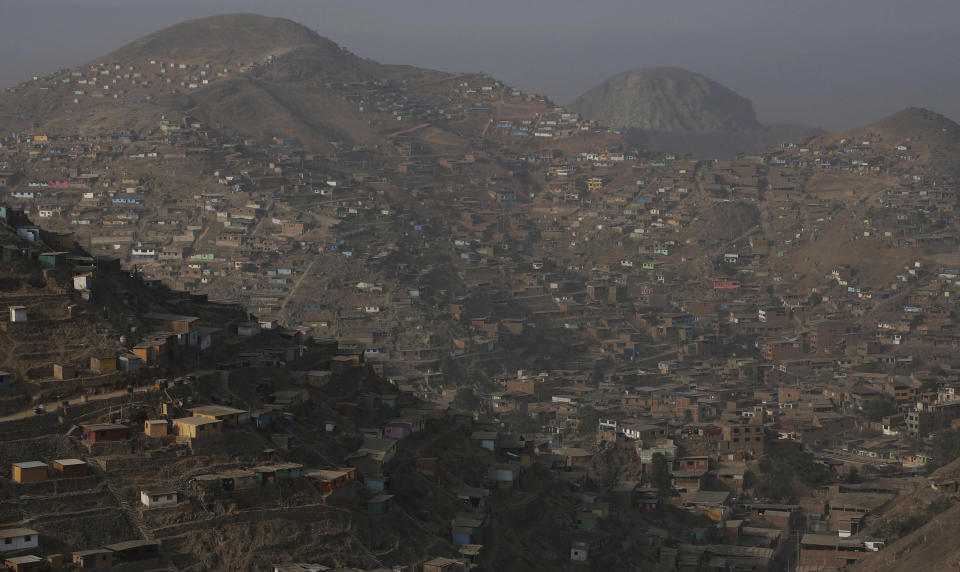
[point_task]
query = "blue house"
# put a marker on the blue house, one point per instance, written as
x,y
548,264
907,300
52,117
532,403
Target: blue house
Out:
x,y
380,504
375,482
129,363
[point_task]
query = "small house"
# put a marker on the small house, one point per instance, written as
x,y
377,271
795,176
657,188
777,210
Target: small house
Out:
x,y
197,427
18,539
70,468
29,472
375,482
331,480
103,364
398,429
96,559
156,427
379,504
18,313
104,432
30,563
135,550
64,371
486,439
159,497
445,565
228,415
278,473
129,363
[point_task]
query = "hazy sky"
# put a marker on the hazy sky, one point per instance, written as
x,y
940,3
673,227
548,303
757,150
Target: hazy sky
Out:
x,y
831,63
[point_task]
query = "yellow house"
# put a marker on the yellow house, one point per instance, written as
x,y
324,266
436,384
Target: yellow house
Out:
x,y
104,364
229,415
197,427
29,472
156,427
40,139
594,184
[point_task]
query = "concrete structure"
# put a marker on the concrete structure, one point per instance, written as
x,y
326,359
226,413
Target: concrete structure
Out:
x,y
18,539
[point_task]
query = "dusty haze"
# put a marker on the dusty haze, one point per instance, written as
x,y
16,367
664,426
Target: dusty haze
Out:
x,y
831,64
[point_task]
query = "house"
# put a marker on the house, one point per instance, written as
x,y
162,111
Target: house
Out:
x,y
379,504
18,313
104,432
375,482
96,559
197,427
331,480
398,429
70,468
29,472
159,497
281,472
229,415
156,427
64,371
129,363
18,539
103,364
26,564
445,565
135,550
467,528
486,439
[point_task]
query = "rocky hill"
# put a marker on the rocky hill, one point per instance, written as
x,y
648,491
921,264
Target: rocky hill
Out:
x,y
666,99
671,109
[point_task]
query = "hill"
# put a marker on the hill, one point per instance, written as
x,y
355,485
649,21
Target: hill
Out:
x,y
675,110
666,99
252,75
233,37
928,140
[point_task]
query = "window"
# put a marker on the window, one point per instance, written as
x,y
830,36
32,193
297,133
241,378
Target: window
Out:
x,y
8,541
26,538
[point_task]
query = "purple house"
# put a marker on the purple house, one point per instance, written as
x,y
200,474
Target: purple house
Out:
x,y
397,429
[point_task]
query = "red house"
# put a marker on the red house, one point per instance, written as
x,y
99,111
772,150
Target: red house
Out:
x,y
328,481
104,432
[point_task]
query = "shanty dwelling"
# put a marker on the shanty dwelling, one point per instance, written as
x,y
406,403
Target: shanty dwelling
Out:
x,y
135,550
197,427
29,472
104,432
159,497
96,559
156,427
18,313
18,539
26,564
69,468
229,415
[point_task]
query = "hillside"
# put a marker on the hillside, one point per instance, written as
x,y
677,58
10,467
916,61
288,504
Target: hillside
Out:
x,y
253,75
923,137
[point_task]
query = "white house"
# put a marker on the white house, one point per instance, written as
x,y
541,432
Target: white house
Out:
x,y
158,497
18,539
18,313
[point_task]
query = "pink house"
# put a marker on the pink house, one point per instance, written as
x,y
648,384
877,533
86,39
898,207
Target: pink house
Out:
x,y
397,429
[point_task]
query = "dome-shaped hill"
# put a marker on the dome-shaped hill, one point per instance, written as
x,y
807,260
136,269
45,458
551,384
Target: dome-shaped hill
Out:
x,y
666,100
227,38
915,122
